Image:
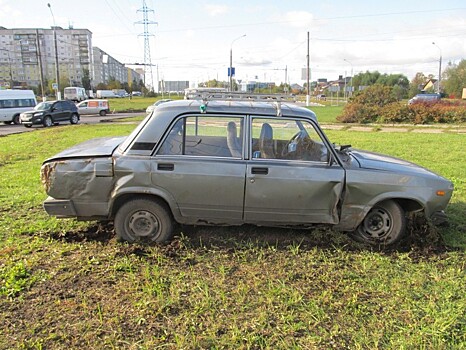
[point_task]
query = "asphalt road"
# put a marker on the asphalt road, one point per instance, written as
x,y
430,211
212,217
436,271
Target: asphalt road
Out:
x,y
6,129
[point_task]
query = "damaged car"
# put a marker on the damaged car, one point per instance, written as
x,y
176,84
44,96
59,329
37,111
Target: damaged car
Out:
x,y
234,162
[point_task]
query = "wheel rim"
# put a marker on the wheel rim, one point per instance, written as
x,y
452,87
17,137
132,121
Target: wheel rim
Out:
x,y
143,224
377,224
48,122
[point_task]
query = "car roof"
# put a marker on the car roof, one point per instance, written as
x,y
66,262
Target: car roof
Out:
x,y
271,108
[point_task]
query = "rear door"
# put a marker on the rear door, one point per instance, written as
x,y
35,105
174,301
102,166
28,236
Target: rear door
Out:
x,y
200,164
289,178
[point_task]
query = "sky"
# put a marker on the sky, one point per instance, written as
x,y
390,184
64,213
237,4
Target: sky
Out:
x,y
191,40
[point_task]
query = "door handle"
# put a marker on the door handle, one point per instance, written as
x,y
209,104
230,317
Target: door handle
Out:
x,y
260,171
166,166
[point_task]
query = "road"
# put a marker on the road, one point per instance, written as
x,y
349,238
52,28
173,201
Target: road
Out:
x,y
85,119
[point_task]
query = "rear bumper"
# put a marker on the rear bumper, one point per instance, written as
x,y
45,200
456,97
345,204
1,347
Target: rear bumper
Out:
x,y
60,208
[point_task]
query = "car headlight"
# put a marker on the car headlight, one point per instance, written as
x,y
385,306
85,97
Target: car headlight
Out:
x,y
38,114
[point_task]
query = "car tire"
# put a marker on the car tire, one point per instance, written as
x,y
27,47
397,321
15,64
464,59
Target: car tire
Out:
x,y
384,224
74,119
143,220
102,113
16,120
47,122
27,125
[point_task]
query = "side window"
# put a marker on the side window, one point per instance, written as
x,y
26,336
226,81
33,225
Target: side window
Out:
x,y
288,139
205,136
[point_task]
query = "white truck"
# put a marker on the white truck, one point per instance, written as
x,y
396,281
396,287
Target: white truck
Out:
x,y
15,102
76,94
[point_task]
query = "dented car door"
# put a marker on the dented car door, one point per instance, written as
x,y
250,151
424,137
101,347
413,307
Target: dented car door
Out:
x,y
289,177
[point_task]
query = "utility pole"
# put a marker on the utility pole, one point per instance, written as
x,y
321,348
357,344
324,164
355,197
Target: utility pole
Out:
x,y
57,68
39,59
145,21
308,96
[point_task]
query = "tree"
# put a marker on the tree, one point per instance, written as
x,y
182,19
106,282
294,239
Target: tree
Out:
x,y
398,82
113,83
86,79
455,79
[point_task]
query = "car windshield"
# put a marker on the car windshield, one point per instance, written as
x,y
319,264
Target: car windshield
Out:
x,y
43,106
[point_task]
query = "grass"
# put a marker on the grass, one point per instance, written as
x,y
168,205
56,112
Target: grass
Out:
x,y
327,114
135,104
65,283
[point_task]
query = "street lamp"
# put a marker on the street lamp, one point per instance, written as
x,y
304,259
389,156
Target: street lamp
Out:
x,y
57,74
351,80
231,61
439,67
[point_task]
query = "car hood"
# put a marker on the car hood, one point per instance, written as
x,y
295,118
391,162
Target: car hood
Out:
x,y
100,147
377,161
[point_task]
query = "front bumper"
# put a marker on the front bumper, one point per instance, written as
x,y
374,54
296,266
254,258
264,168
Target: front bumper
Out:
x,y
439,218
30,120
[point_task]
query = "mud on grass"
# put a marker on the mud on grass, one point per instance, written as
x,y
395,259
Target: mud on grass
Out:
x,y
243,287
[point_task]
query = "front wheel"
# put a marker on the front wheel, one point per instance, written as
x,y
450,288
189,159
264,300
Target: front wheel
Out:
x,y
16,120
74,119
102,113
143,220
385,224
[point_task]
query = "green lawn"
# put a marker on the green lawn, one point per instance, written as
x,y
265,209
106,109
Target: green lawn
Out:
x,y
327,114
69,284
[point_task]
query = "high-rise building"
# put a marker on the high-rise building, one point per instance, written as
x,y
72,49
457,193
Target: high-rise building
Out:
x,y
25,51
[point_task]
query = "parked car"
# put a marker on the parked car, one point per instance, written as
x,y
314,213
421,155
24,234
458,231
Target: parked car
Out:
x,y
51,112
237,162
155,104
88,107
136,93
424,98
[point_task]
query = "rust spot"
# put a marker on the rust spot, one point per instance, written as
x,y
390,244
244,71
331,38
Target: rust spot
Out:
x,y
45,175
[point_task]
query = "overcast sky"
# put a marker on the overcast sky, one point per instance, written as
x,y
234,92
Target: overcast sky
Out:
x,y
192,39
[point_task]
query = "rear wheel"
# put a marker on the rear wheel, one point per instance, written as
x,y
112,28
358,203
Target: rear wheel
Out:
x,y
74,119
47,122
16,120
102,113
27,125
143,220
385,223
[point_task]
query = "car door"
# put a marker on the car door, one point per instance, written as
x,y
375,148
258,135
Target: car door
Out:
x,y
200,164
59,111
289,178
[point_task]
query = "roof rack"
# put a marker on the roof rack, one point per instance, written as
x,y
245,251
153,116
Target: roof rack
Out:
x,y
207,96
238,96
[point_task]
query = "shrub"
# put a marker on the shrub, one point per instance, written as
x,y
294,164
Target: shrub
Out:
x,y
376,106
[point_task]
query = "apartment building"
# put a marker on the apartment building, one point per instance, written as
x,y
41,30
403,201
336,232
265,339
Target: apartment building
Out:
x,y
26,53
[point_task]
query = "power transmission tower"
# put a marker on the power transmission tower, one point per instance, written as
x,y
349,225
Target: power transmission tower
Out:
x,y
147,61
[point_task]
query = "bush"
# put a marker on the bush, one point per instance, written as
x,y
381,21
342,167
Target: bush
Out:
x,y
376,107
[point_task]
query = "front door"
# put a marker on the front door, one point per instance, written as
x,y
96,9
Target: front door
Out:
x,y
289,178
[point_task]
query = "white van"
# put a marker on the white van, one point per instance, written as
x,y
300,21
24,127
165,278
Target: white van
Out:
x,y
106,94
15,102
87,107
75,94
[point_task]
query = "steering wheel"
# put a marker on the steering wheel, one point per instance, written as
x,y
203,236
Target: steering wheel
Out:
x,y
297,139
